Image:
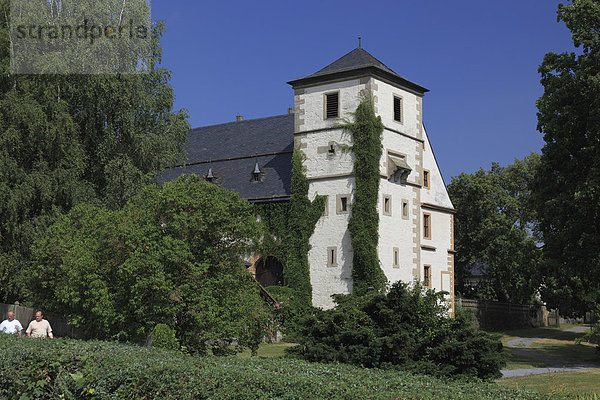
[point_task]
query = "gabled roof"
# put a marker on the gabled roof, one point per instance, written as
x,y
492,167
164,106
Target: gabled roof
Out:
x,y
356,63
232,151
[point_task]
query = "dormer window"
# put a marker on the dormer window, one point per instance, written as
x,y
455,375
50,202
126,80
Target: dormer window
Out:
x,y
256,173
210,176
332,105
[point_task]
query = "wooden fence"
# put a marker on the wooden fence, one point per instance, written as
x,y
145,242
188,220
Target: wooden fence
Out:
x,y
494,316
25,315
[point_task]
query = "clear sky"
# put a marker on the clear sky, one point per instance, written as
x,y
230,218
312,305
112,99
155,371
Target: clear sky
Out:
x,y
478,58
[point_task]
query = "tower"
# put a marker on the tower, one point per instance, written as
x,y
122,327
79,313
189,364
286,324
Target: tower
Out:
x,y
415,212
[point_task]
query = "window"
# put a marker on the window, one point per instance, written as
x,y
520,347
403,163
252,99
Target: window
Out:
x,y
326,210
332,256
387,204
396,260
343,203
426,226
397,109
332,105
256,173
427,276
405,209
426,179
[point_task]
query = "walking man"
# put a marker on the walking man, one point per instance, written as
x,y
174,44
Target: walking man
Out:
x,y
11,325
39,327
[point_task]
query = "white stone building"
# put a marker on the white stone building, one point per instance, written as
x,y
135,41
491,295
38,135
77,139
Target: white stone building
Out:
x,y
416,215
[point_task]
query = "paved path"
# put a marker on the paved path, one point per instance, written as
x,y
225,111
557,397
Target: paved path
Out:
x,y
522,347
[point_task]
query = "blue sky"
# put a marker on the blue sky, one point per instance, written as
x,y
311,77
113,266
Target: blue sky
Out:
x,y
479,59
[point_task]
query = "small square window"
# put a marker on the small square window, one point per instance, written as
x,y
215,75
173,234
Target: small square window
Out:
x,y
332,105
397,109
426,226
396,258
332,256
387,204
343,204
426,179
427,276
405,209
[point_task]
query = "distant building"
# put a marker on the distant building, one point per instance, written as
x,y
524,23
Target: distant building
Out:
x,y
253,157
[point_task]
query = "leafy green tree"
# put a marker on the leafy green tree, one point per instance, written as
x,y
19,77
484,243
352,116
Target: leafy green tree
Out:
x,y
172,255
495,231
567,195
66,139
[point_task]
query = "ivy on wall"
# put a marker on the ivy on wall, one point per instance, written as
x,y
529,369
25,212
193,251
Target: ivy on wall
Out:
x,y
366,131
289,226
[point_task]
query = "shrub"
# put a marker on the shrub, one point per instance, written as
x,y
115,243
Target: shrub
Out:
x,y
289,311
406,328
73,369
164,337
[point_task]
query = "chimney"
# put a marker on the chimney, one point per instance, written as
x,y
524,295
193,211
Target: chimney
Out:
x,y
239,118
290,110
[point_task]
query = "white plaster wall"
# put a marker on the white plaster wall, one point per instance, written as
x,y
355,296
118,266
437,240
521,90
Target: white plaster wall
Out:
x,y
392,141
437,194
331,230
320,164
385,108
441,240
394,231
311,103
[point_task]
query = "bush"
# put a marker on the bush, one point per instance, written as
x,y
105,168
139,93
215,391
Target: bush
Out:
x,y
406,328
163,337
288,311
73,369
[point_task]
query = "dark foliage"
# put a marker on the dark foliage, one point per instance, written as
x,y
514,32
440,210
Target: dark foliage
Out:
x,y
405,328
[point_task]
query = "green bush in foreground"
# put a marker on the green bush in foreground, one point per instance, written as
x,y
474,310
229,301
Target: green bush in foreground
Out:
x,y
407,328
72,369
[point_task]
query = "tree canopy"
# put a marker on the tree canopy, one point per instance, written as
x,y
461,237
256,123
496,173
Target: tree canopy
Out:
x,y
172,255
66,139
494,232
567,189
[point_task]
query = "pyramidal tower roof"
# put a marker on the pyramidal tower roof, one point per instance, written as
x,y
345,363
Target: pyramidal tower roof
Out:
x,y
357,63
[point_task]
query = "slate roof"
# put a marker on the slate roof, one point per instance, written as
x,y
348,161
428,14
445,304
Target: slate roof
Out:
x,y
356,63
233,149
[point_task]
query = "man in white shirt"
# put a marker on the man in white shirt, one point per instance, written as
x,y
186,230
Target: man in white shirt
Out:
x,y
11,325
39,327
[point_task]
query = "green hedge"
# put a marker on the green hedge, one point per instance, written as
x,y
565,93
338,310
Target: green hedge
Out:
x,y
67,368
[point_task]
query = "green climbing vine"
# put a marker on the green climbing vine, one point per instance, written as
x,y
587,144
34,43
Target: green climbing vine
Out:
x,y
288,228
366,131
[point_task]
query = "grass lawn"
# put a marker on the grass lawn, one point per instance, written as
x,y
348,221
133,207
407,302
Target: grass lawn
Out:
x,y
516,361
580,383
268,350
561,346
567,350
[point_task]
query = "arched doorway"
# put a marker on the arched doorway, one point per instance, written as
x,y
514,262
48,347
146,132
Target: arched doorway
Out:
x,y
269,271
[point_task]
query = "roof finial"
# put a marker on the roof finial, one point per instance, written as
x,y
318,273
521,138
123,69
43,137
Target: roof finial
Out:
x,y
359,41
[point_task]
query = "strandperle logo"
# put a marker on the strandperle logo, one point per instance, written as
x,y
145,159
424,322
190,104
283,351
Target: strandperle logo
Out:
x,y
86,31
80,36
